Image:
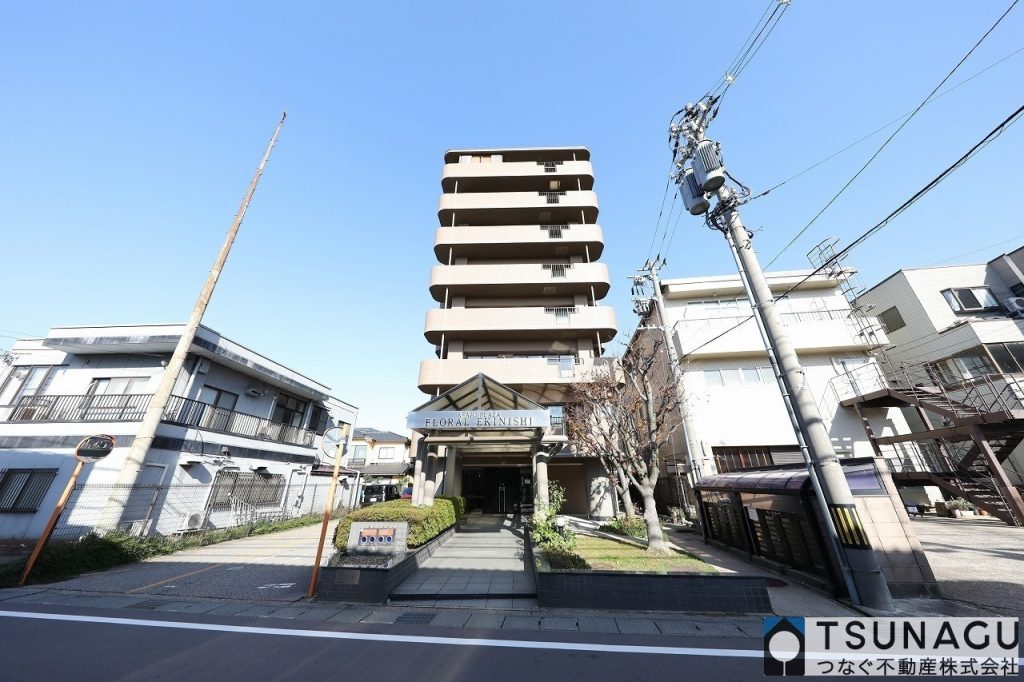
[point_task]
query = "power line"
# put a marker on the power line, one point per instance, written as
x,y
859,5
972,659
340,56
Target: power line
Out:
x,y
894,134
983,248
883,127
749,48
984,142
657,226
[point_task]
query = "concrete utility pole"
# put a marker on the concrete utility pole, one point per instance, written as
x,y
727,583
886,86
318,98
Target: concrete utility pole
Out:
x,y
693,474
155,411
706,174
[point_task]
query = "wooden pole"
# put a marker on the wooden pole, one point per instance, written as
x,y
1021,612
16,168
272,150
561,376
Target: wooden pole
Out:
x,y
41,542
328,513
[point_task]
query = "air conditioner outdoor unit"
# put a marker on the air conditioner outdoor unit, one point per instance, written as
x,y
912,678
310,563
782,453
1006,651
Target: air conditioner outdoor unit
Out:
x,y
192,521
1015,306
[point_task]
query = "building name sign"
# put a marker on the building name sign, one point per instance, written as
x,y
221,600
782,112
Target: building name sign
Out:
x,y
482,419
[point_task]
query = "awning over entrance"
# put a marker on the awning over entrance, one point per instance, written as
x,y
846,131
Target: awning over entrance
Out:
x,y
481,415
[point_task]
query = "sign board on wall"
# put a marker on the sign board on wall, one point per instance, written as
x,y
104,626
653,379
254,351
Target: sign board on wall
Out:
x,y
480,419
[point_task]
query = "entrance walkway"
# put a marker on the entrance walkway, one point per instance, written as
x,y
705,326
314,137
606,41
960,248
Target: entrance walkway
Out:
x,y
484,559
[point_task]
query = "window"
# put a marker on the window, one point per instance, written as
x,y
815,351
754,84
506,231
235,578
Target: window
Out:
x,y
217,419
386,453
24,381
22,490
358,455
970,299
1008,356
892,320
1017,289
746,376
118,386
319,419
289,410
258,490
970,365
557,413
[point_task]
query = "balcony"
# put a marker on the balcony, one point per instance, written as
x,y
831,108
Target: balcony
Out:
x,y
131,408
519,241
818,330
482,208
478,177
520,323
517,279
515,372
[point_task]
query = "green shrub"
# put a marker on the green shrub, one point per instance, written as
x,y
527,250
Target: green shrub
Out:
x,y
635,527
564,558
63,559
425,523
458,502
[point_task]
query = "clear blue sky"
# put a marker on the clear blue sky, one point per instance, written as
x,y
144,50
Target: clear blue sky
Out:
x,y
130,131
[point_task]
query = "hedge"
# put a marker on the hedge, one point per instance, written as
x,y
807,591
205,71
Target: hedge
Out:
x,y
425,523
458,502
63,559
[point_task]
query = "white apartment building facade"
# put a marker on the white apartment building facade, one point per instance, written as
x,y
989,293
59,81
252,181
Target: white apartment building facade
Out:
x,y
518,288
240,434
957,332
736,418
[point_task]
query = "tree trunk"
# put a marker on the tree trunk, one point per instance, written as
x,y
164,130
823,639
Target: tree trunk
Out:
x,y
627,502
655,539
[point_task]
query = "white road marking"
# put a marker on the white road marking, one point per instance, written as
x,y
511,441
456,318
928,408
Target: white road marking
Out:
x,y
276,586
408,639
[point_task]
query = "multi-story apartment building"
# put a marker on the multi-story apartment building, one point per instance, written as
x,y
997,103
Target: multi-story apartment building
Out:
x,y
238,437
381,461
518,290
736,418
956,364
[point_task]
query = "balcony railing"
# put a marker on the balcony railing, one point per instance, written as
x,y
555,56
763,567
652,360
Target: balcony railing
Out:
x,y
80,408
202,416
132,407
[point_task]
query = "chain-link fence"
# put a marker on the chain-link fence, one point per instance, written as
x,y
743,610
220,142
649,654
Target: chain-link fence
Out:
x,y
189,508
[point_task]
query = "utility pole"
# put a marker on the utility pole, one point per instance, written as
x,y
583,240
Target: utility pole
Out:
x,y
701,172
649,272
155,411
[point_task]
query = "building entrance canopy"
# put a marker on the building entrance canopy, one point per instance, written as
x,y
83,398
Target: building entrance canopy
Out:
x,y
481,414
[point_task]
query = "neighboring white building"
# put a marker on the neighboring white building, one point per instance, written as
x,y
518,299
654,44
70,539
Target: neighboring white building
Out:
x,y
736,415
382,460
958,332
239,435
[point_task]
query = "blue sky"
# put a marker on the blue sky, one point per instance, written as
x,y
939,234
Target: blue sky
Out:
x,y
130,131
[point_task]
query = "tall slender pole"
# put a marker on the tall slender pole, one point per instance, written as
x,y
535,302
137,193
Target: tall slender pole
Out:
x,y
328,513
41,542
689,430
836,498
155,412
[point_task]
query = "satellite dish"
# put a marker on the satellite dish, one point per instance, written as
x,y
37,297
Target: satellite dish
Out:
x,y
332,438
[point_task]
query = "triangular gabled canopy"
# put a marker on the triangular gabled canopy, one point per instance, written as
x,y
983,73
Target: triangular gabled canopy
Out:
x,y
479,393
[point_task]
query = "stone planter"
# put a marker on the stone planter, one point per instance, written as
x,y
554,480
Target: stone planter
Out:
x,y
374,584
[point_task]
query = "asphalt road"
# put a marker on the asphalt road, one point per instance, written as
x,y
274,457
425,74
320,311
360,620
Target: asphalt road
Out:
x,y
146,647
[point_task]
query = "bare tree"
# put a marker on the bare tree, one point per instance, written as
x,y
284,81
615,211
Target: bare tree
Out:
x,y
625,415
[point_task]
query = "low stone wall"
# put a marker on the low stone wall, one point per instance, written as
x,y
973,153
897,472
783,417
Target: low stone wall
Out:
x,y
374,585
653,591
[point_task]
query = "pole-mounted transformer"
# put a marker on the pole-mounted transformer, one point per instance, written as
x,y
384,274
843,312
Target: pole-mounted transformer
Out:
x,y
707,166
693,197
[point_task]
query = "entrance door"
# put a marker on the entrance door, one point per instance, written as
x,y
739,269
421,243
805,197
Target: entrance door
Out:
x,y
493,490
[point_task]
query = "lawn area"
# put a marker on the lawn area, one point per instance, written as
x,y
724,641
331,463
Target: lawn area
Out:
x,y
613,555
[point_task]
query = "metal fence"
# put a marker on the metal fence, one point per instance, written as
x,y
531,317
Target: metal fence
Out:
x,y
182,509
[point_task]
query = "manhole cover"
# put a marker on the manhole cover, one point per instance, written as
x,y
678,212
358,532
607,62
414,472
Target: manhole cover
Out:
x,y
415,618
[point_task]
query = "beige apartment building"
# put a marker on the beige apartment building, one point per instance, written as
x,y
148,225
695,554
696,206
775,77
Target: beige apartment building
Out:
x,y
518,288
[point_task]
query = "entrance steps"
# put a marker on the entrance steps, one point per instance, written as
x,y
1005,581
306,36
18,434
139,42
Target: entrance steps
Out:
x,y
485,558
